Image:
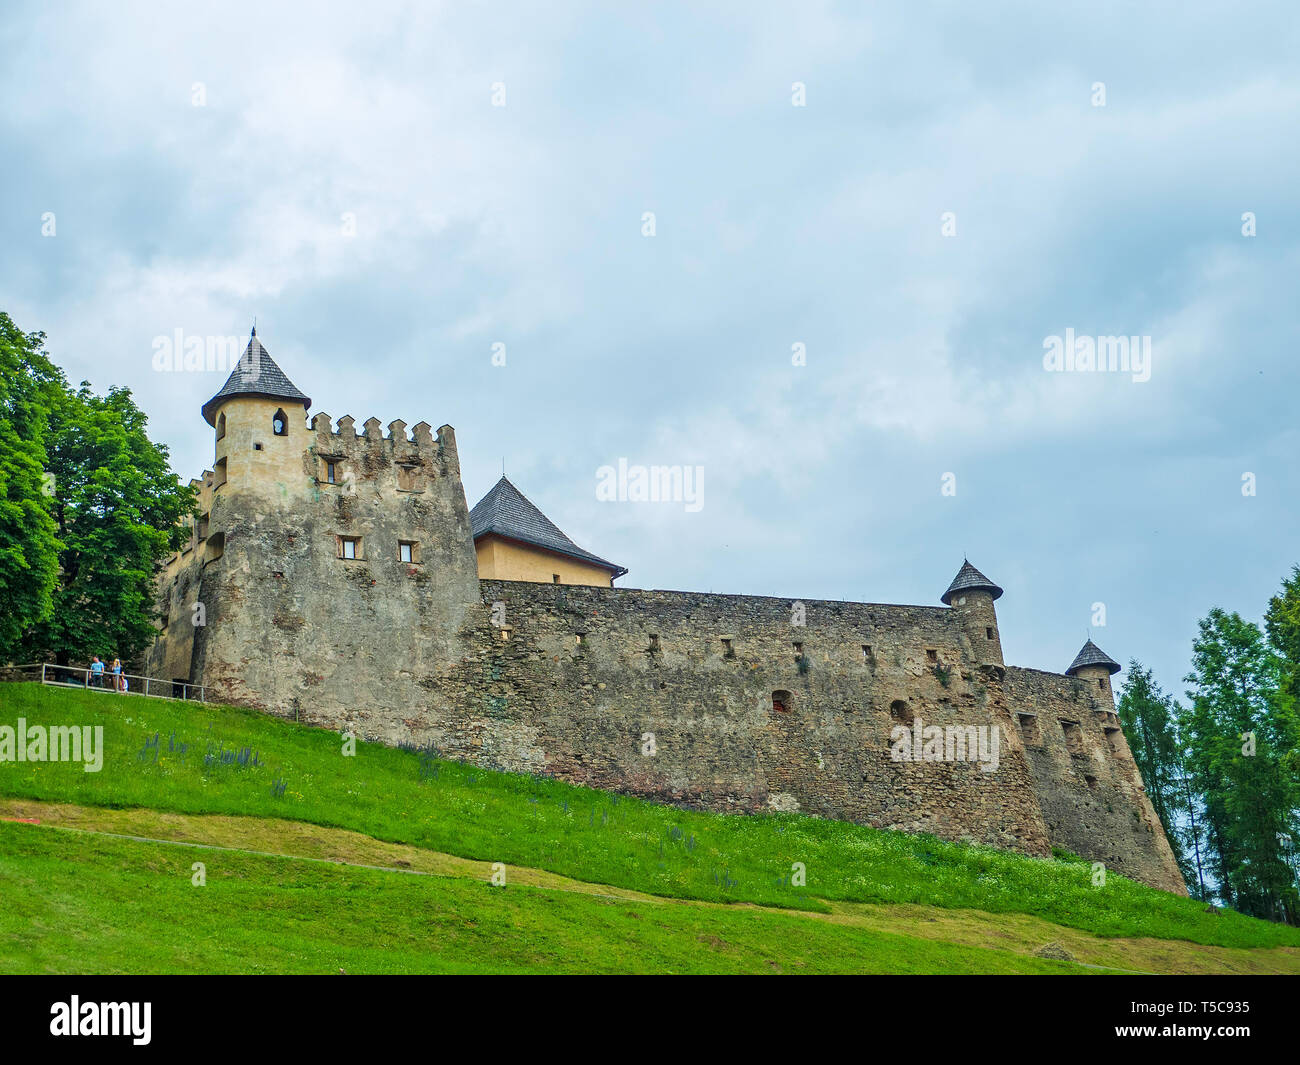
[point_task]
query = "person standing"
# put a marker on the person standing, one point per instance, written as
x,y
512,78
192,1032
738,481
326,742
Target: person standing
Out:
x,y
96,672
117,674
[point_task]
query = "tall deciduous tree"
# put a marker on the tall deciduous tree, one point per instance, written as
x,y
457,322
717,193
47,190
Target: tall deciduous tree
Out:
x,y
29,561
1237,734
118,508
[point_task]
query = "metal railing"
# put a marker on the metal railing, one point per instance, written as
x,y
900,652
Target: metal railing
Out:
x,y
108,681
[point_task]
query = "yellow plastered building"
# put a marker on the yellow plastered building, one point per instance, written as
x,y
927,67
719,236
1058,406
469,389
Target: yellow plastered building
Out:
x,y
515,541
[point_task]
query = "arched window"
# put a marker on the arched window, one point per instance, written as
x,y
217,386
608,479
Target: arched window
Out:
x,y
221,426
280,424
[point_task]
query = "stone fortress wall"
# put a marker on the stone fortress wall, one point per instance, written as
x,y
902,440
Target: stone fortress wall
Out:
x,y
746,703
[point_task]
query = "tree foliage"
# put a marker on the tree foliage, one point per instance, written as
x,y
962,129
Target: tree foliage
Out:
x,y
30,385
1239,734
88,509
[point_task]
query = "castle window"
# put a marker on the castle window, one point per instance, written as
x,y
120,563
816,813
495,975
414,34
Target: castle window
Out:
x,y
1073,737
331,473
1101,683
555,578
280,424
727,650
782,701
408,551
203,526
1029,729
219,472
1090,780
654,644
900,711
988,631
221,426
866,652
350,547
931,654
216,547
257,447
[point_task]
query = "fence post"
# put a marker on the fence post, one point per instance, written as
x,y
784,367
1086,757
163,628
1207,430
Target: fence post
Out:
x,y
42,672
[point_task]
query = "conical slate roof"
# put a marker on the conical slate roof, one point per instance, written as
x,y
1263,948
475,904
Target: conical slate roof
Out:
x,y
256,374
1092,655
969,579
506,512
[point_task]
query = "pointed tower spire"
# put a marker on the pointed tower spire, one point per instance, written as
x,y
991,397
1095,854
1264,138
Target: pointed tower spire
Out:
x,y
969,579
1092,655
256,374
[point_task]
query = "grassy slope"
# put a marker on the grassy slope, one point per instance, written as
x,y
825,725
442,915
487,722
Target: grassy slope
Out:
x,y
262,914
576,832
207,837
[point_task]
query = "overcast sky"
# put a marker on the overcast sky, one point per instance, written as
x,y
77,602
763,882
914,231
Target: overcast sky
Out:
x,y
205,164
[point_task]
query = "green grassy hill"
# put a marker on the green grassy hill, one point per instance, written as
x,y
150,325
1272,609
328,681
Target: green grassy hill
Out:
x,y
317,861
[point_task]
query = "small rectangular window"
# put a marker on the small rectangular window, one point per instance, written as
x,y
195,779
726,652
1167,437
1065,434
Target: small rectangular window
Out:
x,y
555,578
330,476
988,631
349,547
408,551
932,654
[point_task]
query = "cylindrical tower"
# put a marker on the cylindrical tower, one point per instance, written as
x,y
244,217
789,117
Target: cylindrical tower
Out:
x,y
971,596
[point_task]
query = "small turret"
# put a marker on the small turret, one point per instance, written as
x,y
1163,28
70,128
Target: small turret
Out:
x,y
971,596
1095,667
261,431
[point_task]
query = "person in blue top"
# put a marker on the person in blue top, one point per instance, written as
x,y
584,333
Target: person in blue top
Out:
x,y
96,672
117,674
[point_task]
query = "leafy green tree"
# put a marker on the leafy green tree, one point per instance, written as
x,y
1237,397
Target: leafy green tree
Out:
x,y
1282,623
1149,717
1236,735
29,561
118,508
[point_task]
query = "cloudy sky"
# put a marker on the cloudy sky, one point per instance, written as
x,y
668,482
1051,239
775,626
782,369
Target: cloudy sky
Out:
x,y
953,185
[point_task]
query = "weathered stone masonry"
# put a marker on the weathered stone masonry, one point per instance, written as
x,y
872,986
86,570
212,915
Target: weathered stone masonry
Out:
x,y
748,709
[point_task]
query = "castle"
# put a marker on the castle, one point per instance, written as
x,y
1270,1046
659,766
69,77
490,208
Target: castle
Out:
x,y
343,584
